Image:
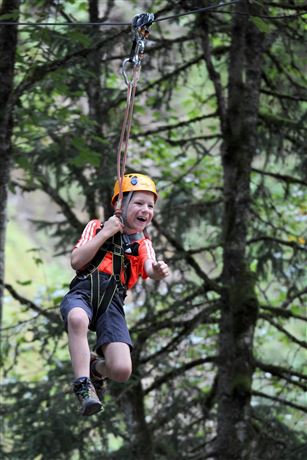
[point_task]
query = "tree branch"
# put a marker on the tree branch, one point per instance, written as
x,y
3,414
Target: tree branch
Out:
x,y
186,328
291,244
283,96
268,318
39,72
213,73
182,142
178,371
66,209
283,373
283,177
210,284
282,71
169,75
31,305
279,400
282,312
291,299
180,124
288,6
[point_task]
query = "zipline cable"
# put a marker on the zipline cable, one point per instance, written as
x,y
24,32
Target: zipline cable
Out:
x,y
212,8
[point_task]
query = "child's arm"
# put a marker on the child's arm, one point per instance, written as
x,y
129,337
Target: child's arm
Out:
x,y
82,255
156,270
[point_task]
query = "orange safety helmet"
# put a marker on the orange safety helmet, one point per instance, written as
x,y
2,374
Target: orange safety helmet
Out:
x,y
135,183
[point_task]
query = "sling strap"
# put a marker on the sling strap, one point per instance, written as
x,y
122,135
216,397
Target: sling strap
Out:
x,y
100,302
118,245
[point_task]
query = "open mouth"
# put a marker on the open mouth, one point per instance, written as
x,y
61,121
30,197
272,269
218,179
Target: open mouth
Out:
x,y
141,219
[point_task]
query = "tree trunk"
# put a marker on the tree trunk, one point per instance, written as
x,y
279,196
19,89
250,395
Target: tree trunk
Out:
x,y
8,42
140,436
239,303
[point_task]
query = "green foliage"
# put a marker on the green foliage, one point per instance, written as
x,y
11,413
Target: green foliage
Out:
x,y
70,102
268,423
262,25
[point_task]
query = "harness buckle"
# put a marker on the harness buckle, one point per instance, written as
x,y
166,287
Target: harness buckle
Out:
x,y
117,250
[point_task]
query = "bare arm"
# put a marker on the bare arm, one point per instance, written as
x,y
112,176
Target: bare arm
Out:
x,y
83,255
156,270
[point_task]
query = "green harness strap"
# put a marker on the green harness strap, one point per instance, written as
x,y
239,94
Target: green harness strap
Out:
x,y
100,303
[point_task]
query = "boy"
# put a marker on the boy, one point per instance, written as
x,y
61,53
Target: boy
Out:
x,y
80,307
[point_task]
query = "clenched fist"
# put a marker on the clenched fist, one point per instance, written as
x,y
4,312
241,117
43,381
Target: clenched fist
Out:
x,y
156,270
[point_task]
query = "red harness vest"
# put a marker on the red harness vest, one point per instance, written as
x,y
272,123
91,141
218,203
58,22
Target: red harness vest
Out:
x,y
137,252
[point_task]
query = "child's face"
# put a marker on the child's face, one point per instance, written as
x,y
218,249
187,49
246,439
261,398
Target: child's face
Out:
x,y
140,211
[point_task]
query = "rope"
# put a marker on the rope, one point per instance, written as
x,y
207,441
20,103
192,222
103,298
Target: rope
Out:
x,y
140,28
124,136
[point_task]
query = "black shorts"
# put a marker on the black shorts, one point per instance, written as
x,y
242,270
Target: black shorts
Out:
x,y
111,326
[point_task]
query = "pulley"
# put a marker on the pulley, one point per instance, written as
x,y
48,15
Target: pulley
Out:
x,y
140,32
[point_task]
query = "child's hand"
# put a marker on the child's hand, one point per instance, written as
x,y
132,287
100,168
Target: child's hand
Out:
x,y
159,270
112,225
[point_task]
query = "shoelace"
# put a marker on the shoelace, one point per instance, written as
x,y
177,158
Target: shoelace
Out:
x,y
83,388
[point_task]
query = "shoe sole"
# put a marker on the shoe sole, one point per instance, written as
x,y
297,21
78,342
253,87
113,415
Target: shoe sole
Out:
x,y
91,408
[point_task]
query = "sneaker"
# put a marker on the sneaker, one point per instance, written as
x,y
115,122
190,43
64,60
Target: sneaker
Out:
x,y
87,396
99,382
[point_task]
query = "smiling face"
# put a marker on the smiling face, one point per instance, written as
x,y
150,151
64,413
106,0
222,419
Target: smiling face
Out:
x,y
140,211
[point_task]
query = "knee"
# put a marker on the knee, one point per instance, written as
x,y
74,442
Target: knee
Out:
x,y
121,372
77,321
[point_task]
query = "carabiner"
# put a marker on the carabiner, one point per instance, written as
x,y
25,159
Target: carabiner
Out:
x,y
125,61
140,31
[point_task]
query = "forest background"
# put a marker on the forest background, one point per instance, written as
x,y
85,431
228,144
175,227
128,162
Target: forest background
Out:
x,y
219,123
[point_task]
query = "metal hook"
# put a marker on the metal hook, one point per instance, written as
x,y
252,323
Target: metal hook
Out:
x,y
125,62
140,29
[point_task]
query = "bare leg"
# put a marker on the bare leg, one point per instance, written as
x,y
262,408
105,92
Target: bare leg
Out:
x,y
77,342
117,364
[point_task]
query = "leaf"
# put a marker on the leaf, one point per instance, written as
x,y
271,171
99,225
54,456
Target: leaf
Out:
x,y
24,283
261,25
34,250
24,163
12,16
86,157
38,260
78,37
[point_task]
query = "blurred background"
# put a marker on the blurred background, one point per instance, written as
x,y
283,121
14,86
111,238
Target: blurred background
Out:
x,y
220,124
